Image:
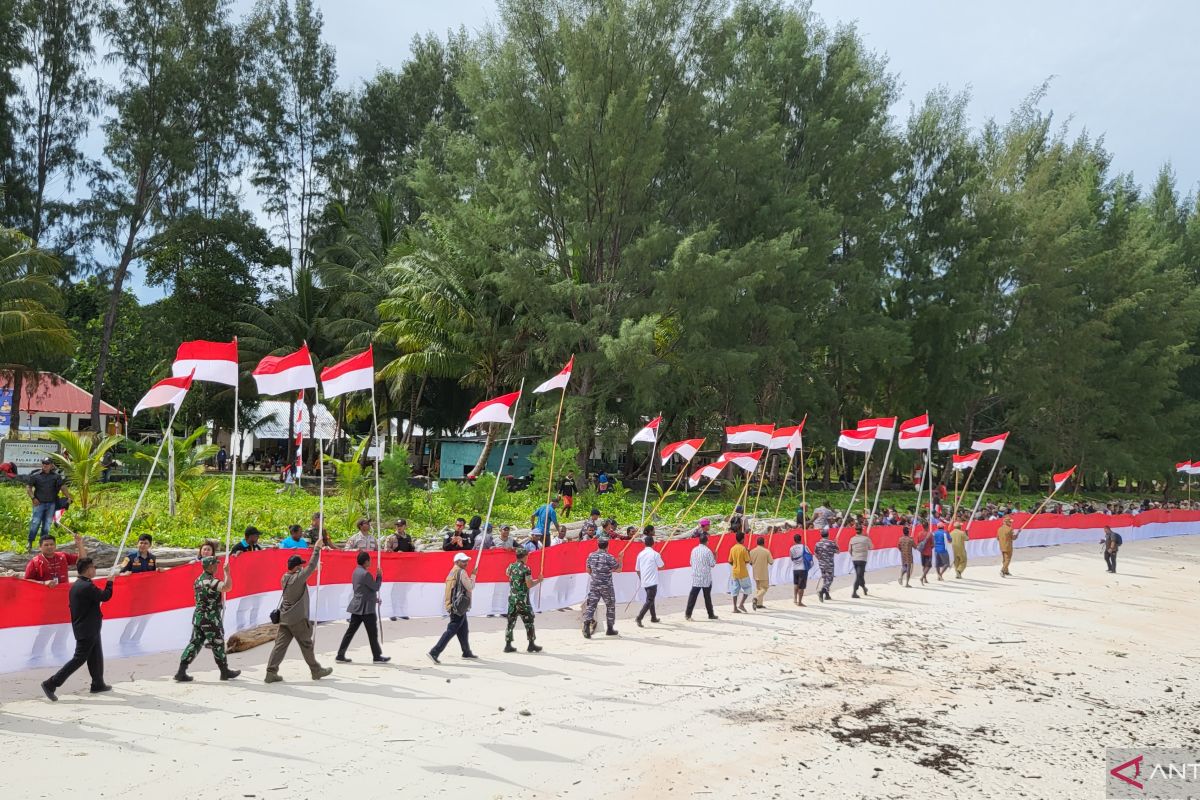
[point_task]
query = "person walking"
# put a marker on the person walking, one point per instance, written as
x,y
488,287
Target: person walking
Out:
x,y
826,549
760,564
649,562
600,567
1005,536
544,519
925,547
702,562
958,542
941,550
802,560
567,488
520,581
1111,544
293,617
739,578
44,488
363,608
905,546
460,584
86,619
859,547
208,624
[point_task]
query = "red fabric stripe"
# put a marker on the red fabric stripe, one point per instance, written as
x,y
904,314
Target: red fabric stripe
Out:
x,y
27,603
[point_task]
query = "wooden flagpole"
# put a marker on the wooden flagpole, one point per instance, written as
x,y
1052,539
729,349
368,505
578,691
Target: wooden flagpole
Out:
x,y
499,477
698,496
649,474
761,477
979,499
142,496
1045,502
667,493
783,483
854,496
550,484
879,487
959,497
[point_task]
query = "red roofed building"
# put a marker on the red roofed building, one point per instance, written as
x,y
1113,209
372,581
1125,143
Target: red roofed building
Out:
x,y
51,401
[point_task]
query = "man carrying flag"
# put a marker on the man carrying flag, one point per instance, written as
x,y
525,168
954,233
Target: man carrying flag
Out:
x,y
208,626
1005,536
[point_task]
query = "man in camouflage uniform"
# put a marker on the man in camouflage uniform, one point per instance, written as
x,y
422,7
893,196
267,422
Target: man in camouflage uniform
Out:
x,y
826,549
207,624
520,581
600,566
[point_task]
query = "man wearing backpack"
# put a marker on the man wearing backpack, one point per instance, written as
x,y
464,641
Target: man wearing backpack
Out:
x,y
293,618
802,561
459,586
1112,542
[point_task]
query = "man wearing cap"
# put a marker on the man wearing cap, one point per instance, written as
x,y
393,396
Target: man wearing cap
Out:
x,y
362,538
600,566
825,549
249,544
293,618
43,488
50,566
649,562
460,584
534,542
702,562
141,560
208,627
506,541
400,541
520,581
701,528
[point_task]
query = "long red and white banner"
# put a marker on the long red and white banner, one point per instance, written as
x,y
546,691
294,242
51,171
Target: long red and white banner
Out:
x,y
151,612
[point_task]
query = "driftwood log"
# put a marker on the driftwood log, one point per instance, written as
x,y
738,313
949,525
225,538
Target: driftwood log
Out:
x,y
251,638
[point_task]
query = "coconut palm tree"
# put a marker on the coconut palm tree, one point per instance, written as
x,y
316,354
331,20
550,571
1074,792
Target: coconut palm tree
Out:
x,y
32,331
353,481
81,461
189,456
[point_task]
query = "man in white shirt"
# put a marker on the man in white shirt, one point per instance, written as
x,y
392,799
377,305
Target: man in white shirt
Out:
x,y
649,562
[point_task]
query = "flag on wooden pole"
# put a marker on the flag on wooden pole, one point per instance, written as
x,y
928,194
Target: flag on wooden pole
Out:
x,y
1062,477
648,433
356,373
967,461
883,427
749,434
685,449
288,373
990,443
214,362
951,442
559,381
167,392
858,441
916,438
495,410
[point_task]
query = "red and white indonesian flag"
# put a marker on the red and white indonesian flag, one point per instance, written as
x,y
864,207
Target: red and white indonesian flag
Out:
x,y
709,471
787,438
967,461
559,381
950,442
916,438
167,392
283,374
883,427
648,433
916,422
750,434
1062,477
215,362
1193,468
495,410
990,443
747,461
686,450
860,441
1183,466
356,373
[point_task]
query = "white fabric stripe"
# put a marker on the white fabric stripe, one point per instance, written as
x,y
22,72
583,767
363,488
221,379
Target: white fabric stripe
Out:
x,y
33,647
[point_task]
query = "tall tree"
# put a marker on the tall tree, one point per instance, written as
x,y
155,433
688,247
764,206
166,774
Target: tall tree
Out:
x,y
297,114
149,140
61,97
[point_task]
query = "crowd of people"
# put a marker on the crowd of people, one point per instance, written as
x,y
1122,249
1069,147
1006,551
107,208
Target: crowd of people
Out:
x,y
937,539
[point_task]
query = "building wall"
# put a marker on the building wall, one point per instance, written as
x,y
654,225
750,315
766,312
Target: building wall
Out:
x,y
457,459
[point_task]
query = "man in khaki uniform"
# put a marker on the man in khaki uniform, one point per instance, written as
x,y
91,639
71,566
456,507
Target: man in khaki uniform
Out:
x,y
958,544
1005,535
760,565
293,618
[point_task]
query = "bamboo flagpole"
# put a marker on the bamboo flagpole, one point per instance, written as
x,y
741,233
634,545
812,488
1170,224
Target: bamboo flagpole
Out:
x,y
853,497
860,440
142,495
966,487
658,503
1060,479
995,443
794,440
883,469
479,411
651,430
559,381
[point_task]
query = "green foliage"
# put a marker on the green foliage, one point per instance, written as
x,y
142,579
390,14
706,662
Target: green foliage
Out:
x,y
355,483
81,462
564,462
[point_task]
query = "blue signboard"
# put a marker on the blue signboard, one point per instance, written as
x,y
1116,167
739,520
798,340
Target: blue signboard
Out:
x,y
6,400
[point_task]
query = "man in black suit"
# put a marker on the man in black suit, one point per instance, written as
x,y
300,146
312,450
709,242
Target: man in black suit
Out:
x,y
86,618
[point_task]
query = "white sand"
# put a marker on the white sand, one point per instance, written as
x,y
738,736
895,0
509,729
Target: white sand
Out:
x,y
905,694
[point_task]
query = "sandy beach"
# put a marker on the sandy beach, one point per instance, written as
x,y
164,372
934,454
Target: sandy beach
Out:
x,y
982,687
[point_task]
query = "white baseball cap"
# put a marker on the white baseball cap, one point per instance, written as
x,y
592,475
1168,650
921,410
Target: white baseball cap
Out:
x,y
461,557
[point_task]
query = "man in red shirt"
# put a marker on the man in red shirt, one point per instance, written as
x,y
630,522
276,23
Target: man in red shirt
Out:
x,y
49,566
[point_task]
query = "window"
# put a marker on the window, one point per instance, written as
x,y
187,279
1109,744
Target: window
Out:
x,y
49,422
85,423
